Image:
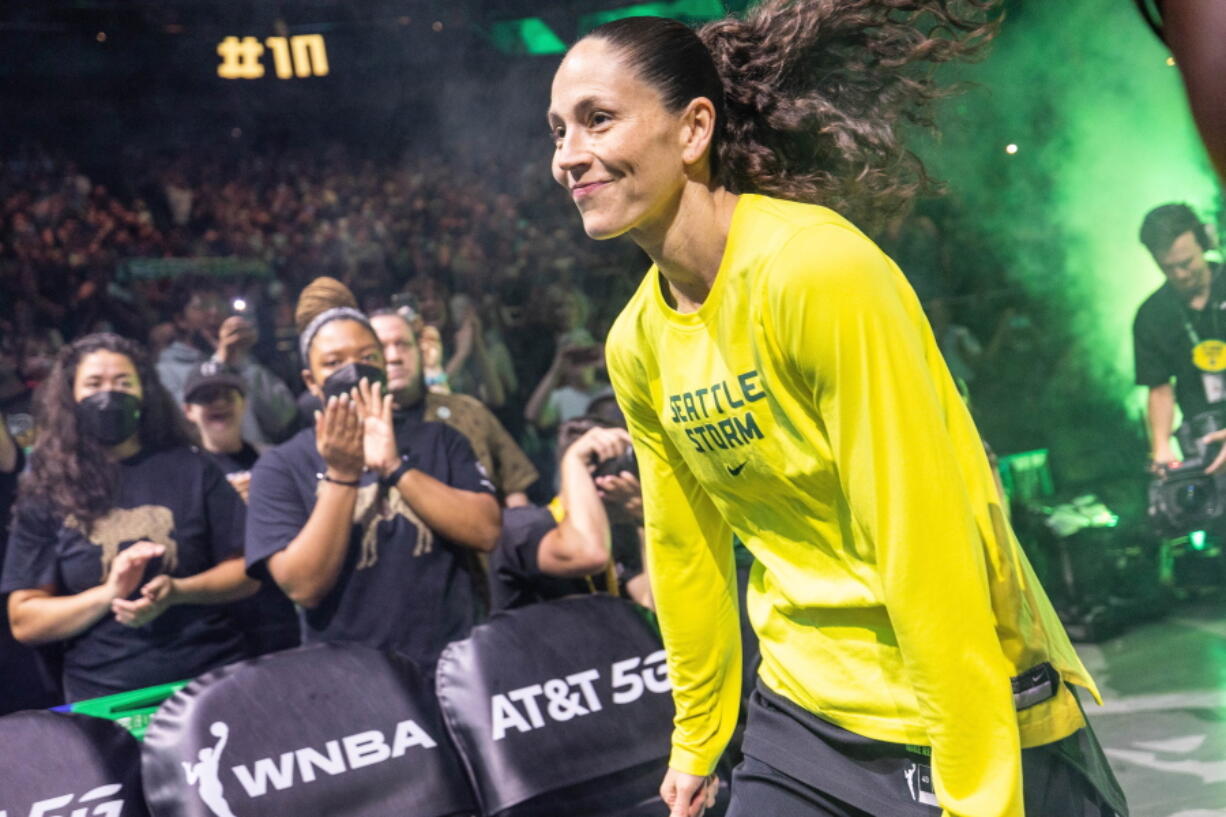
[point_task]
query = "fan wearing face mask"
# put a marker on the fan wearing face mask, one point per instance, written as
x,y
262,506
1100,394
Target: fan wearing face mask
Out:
x,y
368,519
124,540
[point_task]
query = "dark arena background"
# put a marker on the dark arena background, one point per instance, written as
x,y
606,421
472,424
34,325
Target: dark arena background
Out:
x,y
402,148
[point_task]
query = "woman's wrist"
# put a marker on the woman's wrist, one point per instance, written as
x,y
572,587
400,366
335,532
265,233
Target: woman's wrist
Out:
x,y
392,476
341,475
102,596
175,594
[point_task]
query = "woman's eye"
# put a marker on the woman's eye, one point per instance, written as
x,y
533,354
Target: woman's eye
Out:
x,y
556,133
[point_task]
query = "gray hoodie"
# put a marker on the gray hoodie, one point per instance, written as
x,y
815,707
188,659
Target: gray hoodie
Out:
x,y
271,409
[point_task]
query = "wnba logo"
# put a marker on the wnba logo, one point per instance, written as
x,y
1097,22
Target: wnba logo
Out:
x,y
289,769
205,774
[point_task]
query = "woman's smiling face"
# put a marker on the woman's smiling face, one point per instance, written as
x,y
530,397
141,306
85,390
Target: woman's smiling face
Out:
x,y
617,148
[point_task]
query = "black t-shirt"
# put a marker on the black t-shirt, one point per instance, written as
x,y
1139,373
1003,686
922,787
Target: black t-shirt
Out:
x,y
174,497
516,578
242,460
1162,344
267,619
26,684
515,574
401,586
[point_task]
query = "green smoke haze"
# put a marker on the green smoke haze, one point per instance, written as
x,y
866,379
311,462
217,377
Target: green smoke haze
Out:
x,y
1103,134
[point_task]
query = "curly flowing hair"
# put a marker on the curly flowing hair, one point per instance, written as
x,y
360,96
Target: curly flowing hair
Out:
x,y
71,471
810,95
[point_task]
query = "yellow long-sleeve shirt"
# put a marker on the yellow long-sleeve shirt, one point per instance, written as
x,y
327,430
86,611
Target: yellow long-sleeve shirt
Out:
x,y
806,407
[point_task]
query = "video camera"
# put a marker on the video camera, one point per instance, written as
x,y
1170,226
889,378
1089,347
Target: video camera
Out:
x,y
1183,498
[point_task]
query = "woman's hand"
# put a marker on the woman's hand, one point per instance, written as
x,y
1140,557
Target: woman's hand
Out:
x,y
128,567
338,438
156,598
378,432
688,795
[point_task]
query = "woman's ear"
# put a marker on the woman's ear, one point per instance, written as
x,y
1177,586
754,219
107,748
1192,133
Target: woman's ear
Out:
x,y
312,386
698,130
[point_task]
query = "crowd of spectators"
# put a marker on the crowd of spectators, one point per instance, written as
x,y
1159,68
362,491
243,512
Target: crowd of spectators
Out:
x,y
495,262
472,247
201,256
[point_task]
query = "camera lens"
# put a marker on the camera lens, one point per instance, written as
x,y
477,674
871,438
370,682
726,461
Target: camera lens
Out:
x,y
1192,496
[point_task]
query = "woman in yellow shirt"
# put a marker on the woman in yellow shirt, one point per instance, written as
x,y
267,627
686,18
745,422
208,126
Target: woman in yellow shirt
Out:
x,y
781,383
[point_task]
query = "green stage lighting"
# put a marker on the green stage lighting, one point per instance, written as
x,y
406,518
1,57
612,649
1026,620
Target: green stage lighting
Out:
x,y
530,35
685,10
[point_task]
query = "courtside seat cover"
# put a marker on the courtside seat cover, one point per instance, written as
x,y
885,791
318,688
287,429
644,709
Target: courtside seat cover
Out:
x,y
324,730
54,764
553,695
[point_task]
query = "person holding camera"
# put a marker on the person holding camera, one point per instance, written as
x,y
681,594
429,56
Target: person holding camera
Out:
x,y
1179,334
568,548
366,519
570,384
208,327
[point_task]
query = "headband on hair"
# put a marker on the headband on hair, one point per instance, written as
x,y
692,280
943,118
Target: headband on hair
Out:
x,y
327,316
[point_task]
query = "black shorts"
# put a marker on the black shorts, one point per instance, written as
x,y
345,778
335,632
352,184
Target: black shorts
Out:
x,y
799,765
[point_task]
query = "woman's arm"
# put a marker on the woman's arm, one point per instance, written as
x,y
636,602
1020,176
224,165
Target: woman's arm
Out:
x,y
581,543
224,582
492,392
470,342
38,616
914,475
693,580
307,568
535,410
468,518
464,343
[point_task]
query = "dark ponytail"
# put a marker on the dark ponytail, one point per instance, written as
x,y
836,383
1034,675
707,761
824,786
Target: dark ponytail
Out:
x,y
810,94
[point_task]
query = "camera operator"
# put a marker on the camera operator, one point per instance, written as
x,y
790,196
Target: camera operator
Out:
x,y
588,539
1180,330
572,382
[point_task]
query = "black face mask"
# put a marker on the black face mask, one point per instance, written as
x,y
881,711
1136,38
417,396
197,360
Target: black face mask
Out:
x,y
110,417
346,378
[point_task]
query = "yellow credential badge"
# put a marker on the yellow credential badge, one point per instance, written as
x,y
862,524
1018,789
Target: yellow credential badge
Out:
x,y
1210,355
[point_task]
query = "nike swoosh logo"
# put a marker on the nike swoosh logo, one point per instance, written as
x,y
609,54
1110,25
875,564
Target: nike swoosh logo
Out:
x,y
736,472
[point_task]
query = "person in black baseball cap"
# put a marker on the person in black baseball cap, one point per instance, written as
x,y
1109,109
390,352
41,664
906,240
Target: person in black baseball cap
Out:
x,y
214,399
